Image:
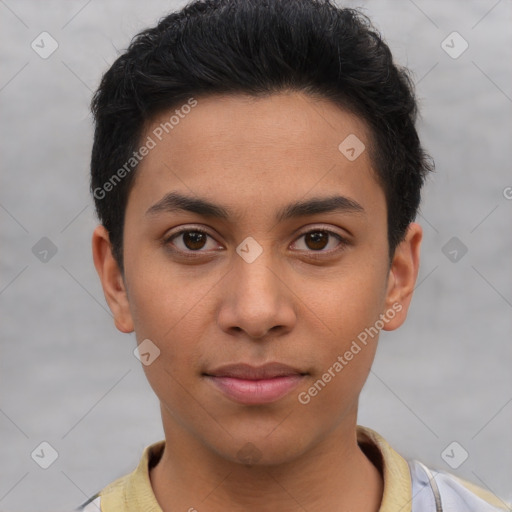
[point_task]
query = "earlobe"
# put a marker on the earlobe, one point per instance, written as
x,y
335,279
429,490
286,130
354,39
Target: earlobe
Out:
x,y
111,279
402,276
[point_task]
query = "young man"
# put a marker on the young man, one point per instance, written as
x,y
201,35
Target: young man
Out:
x,y
257,171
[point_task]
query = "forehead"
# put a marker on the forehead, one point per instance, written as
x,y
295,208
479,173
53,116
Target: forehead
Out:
x,y
241,148
290,119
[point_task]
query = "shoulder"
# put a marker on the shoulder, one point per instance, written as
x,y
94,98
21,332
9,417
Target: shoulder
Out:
x,y
115,490
131,492
442,491
411,486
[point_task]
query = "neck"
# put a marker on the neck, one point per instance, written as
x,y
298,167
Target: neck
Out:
x,y
334,475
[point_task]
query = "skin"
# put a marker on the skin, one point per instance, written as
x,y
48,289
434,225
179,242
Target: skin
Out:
x,y
254,156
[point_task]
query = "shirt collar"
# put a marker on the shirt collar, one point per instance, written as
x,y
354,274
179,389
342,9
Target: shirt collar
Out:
x,y
133,492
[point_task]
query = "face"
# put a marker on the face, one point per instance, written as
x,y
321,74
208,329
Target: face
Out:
x,y
256,263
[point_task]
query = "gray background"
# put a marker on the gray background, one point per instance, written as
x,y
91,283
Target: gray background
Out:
x,y
69,378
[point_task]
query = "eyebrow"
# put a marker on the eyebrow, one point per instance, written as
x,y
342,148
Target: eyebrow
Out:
x,y
174,201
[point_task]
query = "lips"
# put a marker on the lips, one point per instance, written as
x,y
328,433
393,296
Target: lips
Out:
x,y
253,385
248,372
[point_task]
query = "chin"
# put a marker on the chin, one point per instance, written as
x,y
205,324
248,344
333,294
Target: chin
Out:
x,y
261,450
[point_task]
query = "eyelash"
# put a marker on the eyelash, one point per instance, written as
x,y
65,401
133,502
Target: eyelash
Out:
x,y
343,242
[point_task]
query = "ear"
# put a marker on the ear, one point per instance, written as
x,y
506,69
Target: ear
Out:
x,y
402,277
111,279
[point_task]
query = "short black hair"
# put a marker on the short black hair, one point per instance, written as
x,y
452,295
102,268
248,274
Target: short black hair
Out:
x,y
258,47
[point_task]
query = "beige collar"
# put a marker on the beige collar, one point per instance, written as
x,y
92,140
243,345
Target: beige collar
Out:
x,y
133,492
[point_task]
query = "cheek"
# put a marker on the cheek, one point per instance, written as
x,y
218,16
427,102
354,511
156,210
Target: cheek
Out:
x,y
173,309
345,353
175,332
161,300
348,303
349,310
333,395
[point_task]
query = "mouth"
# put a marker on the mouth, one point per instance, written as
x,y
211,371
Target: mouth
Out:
x,y
251,385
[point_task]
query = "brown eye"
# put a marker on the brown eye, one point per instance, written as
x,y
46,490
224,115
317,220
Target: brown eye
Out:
x,y
316,240
321,241
191,240
194,240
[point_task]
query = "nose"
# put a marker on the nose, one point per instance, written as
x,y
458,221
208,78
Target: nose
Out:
x,y
256,299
